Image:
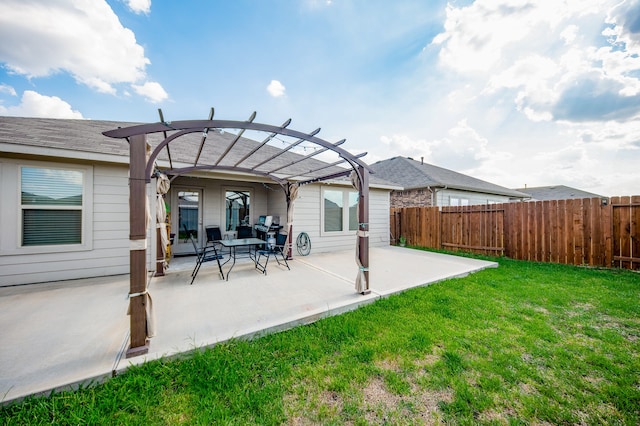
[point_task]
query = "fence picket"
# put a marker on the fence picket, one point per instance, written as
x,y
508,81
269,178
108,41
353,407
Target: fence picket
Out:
x,y
583,231
554,255
635,232
586,228
624,213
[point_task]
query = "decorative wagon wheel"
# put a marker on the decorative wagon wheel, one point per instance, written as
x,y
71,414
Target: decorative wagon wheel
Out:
x,y
303,244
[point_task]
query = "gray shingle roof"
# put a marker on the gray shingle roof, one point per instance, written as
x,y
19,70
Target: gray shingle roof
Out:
x,y
412,174
73,135
86,136
557,192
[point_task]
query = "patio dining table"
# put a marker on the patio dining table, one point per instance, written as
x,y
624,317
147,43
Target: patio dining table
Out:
x,y
251,244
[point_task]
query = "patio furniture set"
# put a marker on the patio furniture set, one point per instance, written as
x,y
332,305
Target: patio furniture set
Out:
x,y
225,250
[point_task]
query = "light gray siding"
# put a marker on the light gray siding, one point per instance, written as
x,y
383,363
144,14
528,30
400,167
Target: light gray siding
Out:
x,y
308,218
106,251
379,211
445,197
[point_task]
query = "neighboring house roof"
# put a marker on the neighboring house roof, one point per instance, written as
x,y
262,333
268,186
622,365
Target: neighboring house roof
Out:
x,y
557,192
412,174
83,139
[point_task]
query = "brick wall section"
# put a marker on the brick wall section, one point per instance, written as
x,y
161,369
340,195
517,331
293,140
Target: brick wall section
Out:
x,y
411,198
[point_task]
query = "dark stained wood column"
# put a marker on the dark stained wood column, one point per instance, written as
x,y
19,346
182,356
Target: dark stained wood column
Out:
x,y
363,228
138,246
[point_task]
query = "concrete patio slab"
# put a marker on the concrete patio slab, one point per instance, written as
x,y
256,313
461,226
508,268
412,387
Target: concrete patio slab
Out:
x,y
57,335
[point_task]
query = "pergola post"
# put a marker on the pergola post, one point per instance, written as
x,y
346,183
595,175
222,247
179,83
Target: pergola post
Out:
x,y
363,228
138,246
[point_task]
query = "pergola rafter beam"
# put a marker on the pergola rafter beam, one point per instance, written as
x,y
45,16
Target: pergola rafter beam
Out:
x,y
326,177
237,138
204,138
263,143
288,148
336,163
165,136
306,157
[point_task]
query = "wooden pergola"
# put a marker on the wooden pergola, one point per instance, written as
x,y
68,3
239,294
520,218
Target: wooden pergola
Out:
x,y
237,155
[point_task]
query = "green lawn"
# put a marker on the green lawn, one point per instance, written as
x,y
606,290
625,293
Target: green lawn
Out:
x,y
525,343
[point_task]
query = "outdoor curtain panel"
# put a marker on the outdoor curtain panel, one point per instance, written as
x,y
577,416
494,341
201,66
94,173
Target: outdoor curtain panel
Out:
x,y
361,279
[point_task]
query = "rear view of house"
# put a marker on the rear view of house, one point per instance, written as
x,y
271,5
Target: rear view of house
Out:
x,y
65,199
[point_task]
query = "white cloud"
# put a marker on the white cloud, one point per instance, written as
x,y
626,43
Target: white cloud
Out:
x,y
406,146
601,157
513,45
476,36
626,25
5,88
316,4
463,149
609,136
572,165
140,6
34,104
83,38
569,34
276,89
151,90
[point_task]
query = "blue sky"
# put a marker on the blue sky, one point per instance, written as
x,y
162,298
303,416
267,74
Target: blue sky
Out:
x,y
515,92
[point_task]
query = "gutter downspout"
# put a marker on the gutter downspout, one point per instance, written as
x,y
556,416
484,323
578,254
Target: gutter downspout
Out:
x,y
434,195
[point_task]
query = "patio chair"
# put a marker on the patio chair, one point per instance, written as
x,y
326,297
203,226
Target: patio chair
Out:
x,y
244,231
214,235
277,251
204,254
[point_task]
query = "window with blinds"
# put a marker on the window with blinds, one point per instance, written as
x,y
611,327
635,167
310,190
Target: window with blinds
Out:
x,y
51,206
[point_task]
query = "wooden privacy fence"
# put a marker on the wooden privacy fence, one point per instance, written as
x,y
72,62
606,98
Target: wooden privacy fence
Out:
x,y
589,231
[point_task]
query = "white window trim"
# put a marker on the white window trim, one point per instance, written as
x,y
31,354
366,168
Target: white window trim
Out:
x,y
11,209
345,211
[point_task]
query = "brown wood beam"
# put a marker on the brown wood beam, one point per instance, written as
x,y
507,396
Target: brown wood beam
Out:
x,y
138,241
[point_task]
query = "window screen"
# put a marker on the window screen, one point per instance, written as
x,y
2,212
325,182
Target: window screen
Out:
x,y
51,205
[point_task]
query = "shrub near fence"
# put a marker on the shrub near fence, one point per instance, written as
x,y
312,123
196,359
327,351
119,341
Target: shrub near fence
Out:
x,y
589,231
